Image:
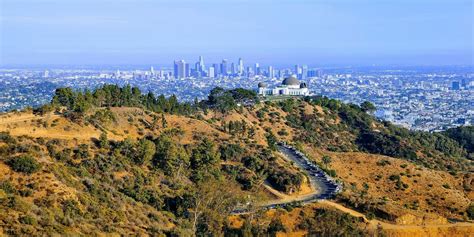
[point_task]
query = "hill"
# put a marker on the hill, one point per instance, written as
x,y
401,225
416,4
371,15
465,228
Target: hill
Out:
x,y
115,161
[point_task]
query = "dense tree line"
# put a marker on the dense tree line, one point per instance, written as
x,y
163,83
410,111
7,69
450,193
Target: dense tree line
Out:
x,y
464,136
115,96
227,100
80,101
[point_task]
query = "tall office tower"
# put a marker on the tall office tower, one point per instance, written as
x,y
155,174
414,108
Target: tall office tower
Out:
x,y
297,70
197,67
180,69
212,71
46,74
187,70
152,71
162,74
271,72
232,69
216,69
257,69
304,72
224,67
175,69
241,67
202,67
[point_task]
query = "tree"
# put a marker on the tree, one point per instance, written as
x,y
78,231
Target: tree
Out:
x,y
326,160
164,123
145,151
366,106
170,156
470,211
212,202
204,155
103,141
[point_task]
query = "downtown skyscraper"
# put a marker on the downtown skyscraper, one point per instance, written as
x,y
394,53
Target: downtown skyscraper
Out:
x,y
224,67
181,69
241,67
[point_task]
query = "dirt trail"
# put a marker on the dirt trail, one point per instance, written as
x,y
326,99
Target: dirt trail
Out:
x,y
373,224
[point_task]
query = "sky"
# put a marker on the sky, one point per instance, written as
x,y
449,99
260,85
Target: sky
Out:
x,y
285,32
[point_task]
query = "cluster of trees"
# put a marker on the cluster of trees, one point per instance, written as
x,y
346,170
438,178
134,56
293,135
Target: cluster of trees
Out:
x,y
227,100
464,136
78,102
115,96
280,177
236,127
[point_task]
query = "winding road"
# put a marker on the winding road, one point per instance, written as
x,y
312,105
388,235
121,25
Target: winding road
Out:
x,y
324,186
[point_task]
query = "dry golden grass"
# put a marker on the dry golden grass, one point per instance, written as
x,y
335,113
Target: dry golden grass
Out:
x,y
425,186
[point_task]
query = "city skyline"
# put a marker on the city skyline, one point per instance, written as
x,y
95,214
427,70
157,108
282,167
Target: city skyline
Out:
x,y
52,32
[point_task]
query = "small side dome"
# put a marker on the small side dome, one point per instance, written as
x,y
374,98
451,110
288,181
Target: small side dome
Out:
x,y
303,85
290,81
262,84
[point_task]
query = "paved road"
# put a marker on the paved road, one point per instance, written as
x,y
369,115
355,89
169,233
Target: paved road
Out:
x,y
324,186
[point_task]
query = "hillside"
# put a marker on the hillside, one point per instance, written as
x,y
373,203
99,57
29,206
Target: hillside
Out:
x,y
114,161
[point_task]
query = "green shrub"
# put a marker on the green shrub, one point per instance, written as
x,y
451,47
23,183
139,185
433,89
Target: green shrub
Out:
x,y
28,220
470,211
7,187
394,177
25,164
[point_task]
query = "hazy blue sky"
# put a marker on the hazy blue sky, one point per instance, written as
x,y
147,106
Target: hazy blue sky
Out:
x,y
344,32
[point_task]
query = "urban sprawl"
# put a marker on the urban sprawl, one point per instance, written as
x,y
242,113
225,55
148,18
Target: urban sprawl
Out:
x,y
420,98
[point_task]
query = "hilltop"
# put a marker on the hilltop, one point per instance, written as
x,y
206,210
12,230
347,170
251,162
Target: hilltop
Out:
x,y
114,161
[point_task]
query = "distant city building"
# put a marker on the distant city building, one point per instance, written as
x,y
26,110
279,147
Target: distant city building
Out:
x,y
464,83
201,66
241,67
257,69
216,69
181,69
289,86
212,71
315,73
297,70
455,85
271,72
224,67
304,72
232,69
187,70
249,71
